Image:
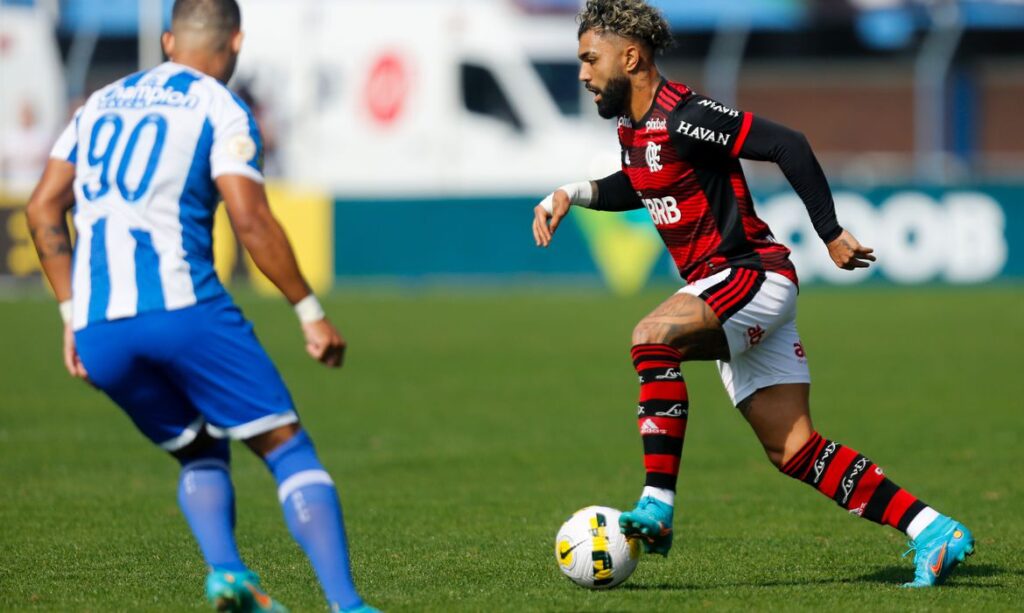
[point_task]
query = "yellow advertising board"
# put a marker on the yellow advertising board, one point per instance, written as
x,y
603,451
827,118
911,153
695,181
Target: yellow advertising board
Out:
x,y
307,217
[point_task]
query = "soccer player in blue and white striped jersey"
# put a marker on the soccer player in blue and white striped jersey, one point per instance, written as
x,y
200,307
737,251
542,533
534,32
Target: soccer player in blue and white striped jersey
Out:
x,y
144,164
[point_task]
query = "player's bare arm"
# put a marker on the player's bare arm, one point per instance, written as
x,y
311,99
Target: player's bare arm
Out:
x,y
549,213
848,254
613,193
265,240
47,223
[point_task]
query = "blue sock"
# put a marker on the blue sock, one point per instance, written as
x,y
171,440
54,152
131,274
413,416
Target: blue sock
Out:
x,y
313,514
207,499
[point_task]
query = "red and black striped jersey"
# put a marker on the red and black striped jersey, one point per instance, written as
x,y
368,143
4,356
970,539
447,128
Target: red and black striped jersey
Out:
x,y
682,160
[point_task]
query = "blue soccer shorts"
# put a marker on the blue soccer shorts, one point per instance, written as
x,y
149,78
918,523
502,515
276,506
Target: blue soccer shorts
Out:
x,y
177,372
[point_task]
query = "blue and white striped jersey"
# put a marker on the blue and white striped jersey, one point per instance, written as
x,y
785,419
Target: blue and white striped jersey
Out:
x,y
146,150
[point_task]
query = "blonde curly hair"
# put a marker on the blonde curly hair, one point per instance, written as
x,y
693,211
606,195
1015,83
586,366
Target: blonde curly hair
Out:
x,y
634,19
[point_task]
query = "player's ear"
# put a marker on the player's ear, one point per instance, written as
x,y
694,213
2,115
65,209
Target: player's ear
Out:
x,y
631,57
236,42
167,40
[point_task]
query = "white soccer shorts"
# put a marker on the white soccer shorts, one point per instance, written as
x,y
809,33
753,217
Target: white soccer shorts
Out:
x,y
764,345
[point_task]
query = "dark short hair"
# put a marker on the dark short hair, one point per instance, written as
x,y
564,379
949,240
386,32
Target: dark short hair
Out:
x,y
215,16
633,19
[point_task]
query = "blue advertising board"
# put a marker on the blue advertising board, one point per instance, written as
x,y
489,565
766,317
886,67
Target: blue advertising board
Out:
x,y
921,235
962,235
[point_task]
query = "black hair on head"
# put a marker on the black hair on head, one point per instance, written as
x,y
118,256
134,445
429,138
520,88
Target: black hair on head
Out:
x,y
633,19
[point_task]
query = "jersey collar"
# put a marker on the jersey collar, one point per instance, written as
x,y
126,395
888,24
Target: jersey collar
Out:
x,y
654,103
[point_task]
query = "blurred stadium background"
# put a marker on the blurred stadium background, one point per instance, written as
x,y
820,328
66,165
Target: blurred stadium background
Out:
x,y
441,122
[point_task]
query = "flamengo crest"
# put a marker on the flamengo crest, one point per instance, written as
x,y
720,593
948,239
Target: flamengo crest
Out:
x,y
654,156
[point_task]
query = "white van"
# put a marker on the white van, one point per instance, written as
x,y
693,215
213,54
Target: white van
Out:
x,y
422,97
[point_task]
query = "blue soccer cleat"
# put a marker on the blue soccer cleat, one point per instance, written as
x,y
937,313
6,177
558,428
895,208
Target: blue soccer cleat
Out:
x,y
938,549
651,520
239,592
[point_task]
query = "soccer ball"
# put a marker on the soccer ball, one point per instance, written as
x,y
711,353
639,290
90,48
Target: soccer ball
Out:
x,y
592,551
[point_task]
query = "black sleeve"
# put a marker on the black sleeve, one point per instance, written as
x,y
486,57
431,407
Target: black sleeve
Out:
x,y
616,193
706,131
768,141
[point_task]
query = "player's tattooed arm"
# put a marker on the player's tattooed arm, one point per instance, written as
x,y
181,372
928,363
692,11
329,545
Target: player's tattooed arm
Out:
x,y
51,240
847,252
46,214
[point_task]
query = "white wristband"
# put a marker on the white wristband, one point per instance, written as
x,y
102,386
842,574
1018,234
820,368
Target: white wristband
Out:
x,y
580,194
65,311
309,310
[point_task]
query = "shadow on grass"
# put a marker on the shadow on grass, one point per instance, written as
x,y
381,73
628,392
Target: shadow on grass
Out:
x,y
891,576
961,577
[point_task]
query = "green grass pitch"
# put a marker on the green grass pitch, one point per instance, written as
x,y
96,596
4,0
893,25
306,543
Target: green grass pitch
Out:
x,y
465,428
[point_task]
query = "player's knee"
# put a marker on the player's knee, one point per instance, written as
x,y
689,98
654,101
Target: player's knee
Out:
x,y
202,447
776,455
265,443
647,333
781,454
294,456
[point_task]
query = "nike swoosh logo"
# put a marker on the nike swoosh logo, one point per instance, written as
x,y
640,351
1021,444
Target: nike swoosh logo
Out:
x,y
261,599
937,567
565,554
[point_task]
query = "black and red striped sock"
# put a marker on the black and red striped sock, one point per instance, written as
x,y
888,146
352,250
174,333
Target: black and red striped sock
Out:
x,y
854,482
662,412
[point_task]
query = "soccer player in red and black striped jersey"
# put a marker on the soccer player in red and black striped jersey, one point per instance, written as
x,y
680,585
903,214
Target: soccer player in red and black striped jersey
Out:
x,y
680,161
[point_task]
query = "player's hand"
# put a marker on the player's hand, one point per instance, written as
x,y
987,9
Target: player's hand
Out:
x,y
544,223
848,253
324,343
71,360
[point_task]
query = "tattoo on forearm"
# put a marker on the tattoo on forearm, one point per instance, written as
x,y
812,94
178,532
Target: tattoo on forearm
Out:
x,y
54,250
51,241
